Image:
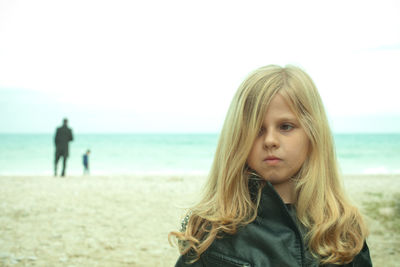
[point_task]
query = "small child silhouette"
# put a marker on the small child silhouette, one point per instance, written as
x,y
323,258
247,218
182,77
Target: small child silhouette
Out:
x,y
85,161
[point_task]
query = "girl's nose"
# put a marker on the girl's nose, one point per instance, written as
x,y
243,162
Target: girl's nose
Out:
x,y
271,140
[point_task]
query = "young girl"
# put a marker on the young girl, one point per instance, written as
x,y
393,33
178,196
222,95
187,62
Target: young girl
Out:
x,y
273,196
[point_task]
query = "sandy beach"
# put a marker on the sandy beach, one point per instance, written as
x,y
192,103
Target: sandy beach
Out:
x,y
125,220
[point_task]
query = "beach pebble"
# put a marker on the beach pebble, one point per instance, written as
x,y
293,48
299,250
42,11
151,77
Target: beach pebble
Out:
x,y
63,259
386,211
4,255
32,258
20,258
91,243
57,236
129,261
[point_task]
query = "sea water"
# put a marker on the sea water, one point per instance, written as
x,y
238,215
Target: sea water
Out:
x,y
126,154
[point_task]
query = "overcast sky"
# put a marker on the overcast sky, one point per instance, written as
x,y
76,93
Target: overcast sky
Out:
x,y
173,66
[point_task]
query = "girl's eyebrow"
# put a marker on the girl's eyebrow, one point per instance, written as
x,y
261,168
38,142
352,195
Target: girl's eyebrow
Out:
x,y
285,117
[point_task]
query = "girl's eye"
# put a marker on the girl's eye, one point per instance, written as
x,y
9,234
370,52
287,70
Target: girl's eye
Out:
x,y
286,127
261,131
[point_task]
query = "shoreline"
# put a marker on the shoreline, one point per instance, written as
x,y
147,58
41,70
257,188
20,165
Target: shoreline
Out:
x,y
172,173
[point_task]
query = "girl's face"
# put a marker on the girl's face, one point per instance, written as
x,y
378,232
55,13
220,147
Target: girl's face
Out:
x,y
281,146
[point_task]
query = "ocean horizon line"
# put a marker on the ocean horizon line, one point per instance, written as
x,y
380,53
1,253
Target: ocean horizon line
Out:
x,y
176,133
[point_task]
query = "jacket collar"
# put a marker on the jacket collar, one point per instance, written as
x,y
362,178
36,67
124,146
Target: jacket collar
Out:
x,y
271,204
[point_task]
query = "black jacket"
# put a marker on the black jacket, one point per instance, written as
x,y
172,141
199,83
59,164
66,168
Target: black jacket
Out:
x,y
62,138
273,239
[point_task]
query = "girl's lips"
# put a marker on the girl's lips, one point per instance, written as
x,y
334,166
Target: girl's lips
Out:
x,y
272,160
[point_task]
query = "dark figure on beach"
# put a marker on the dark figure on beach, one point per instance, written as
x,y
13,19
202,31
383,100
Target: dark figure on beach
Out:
x,y
62,138
85,161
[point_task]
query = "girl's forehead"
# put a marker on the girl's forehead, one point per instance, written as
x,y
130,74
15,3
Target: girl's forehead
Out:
x,y
280,107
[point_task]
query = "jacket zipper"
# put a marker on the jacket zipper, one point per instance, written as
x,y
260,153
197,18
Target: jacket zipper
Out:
x,y
297,231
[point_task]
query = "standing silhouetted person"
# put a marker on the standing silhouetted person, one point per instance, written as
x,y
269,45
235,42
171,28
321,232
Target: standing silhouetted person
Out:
x,y
62,138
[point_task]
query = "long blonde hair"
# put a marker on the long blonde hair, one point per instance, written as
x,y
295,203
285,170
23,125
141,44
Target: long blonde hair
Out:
x,y
336,230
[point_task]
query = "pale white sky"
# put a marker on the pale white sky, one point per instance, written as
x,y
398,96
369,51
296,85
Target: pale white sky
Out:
x,y
173,66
